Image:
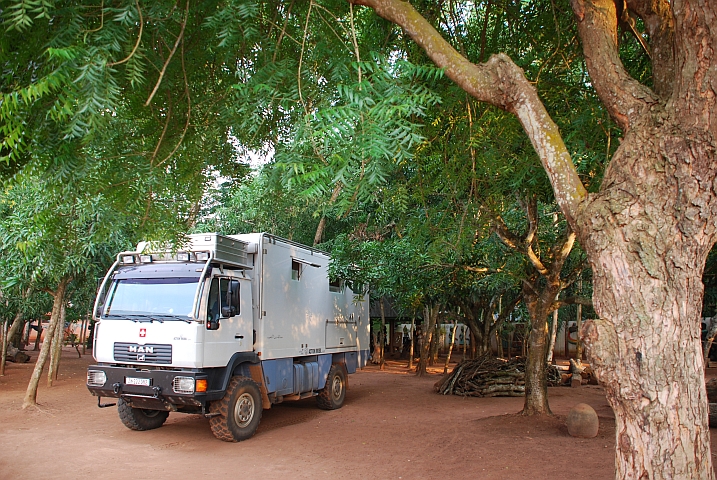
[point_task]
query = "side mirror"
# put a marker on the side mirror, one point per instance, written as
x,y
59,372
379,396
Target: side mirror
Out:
x,y
231,306
100,302
212,324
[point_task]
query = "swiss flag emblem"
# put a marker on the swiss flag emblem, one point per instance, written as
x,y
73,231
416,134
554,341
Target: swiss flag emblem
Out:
x,y
142,332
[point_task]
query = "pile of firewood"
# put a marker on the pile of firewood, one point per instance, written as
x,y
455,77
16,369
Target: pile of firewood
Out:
x,y
488,376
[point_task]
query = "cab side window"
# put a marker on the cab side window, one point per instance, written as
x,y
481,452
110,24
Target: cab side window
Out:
x,y
214,305
223,287
219,302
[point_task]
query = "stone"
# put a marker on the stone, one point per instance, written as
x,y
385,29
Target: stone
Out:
x,y
583,421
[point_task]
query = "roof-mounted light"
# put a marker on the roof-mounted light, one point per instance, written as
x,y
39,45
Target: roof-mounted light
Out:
x,y
202,256
183,256
145,258
127,258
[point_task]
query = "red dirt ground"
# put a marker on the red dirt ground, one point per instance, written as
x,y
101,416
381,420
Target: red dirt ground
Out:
x,y
392,426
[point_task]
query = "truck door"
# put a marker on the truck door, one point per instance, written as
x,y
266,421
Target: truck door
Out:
x,y
235,332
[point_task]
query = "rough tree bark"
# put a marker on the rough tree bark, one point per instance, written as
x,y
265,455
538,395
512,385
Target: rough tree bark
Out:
x,y
382,336
541,288
58,299
648,230
450,348
429,323
17,321
579,325
56,350
482,323
553,335
433,350
709,339
410,350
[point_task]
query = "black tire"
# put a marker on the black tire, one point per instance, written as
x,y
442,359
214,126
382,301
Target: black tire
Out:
x,y
333,394
139,418
239,412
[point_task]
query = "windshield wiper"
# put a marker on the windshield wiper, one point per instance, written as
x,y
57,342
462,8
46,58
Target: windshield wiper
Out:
x,y
136,317
149,317
170,316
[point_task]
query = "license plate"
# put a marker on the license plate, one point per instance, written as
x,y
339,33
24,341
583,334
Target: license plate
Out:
x,y
138,381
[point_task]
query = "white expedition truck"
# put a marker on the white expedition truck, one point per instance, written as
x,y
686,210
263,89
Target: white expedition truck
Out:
x,y
225,328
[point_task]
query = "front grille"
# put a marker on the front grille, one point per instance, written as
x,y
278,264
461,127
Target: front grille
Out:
x,y
135,353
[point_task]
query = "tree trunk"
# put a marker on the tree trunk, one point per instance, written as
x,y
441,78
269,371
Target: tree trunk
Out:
x,y
383,335
376,357
553,335
6,340
56,351
709,339
645,347
465,341
536,378
579,325
429,321
39,335
59,298
450,348
3,348
83,333
435,340
410,353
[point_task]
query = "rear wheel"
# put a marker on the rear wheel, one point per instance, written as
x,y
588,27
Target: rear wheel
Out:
x,y
139,418
239,412
334,392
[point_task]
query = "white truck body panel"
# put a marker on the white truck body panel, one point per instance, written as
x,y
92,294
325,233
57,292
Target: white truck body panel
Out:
x,y
185,339
302,316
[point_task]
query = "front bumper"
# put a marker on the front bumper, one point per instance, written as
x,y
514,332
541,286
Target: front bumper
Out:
x,y
159,395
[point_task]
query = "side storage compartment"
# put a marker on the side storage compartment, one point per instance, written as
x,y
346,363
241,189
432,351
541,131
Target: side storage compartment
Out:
x,y
306,377
279,376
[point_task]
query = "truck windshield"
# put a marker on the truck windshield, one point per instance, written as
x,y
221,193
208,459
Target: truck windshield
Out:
x,y
151,298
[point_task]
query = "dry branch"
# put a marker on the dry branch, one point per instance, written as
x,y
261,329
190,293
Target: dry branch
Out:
x,y
488,376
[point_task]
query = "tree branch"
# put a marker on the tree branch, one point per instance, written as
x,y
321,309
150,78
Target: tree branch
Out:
x,y
501,83
171,54
561,253
139,38
575,300
623,96
503,316
657,17
505,235
695,41
189,111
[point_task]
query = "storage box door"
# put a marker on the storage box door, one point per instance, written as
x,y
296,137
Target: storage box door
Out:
x,y
341,333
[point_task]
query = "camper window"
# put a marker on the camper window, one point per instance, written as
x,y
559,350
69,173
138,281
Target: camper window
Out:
x,y
295,270
336,286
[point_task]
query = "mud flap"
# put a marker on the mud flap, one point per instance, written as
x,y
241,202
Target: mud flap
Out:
x,y
257,375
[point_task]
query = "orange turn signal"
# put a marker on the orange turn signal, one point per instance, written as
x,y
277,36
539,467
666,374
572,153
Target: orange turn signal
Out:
x,y
201,385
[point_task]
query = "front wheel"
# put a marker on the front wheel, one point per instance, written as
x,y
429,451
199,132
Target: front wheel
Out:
x,y
238,413
139,418
333,394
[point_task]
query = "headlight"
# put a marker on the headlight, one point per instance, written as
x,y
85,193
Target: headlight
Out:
x,y
183,384
96,378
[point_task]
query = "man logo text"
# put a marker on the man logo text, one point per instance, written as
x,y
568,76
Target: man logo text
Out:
x,y
140,349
